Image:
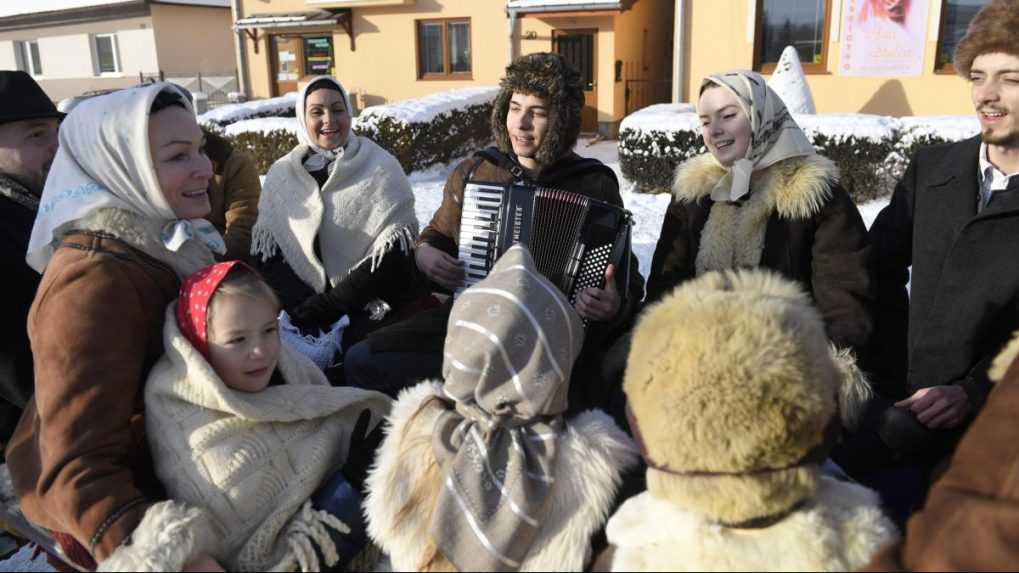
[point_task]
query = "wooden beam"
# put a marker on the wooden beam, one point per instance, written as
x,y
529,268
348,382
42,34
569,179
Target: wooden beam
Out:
x,y
572,14
347,22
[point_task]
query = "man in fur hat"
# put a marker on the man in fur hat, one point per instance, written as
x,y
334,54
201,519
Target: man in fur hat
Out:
x,y
536,122
954,218
28,143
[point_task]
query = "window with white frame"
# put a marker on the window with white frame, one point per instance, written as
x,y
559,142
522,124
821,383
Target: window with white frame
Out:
x,y
27,55
105,56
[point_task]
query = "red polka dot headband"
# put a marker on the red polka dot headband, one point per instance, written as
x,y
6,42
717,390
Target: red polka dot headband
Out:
x,y
193,303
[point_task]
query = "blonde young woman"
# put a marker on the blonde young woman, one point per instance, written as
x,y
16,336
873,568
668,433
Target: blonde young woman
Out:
x,y
763,197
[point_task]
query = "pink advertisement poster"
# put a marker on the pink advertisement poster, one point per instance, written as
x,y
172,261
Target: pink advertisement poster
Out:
x,y
883,37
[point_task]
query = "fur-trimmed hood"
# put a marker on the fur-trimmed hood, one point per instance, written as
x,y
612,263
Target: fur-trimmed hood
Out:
x,y
796,188
551,77
404,483
839,529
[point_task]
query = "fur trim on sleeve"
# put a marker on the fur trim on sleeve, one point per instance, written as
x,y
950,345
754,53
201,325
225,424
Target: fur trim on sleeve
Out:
x,y
854,389
1004,360
170,536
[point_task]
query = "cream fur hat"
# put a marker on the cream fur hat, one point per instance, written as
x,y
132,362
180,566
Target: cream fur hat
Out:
x,y
732,396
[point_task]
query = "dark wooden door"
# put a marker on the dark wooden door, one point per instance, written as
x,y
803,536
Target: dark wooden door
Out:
x,y
287,63
579,47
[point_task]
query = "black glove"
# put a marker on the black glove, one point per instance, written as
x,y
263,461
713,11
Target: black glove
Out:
x,y
363,446
319,312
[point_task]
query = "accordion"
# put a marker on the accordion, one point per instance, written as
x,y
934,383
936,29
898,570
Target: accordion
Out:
x,y
572,238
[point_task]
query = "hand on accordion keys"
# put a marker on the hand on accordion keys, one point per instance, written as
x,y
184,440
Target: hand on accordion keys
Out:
x,y
441,268
601,305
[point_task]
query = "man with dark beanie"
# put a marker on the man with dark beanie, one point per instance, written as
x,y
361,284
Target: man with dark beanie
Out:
x,y
954,223
28,142
535,123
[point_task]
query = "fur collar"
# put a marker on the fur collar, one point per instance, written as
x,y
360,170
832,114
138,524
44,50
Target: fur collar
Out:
x,y
402,487
840,529
796,188
1005,360
144,234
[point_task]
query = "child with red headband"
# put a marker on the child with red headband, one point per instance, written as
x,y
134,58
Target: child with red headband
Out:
x,y
249,432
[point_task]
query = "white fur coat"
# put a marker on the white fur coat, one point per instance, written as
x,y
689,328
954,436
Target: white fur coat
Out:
x,y
839,529
594,453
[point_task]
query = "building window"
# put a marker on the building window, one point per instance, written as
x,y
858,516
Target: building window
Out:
x,y
803,24
105,56
955,19
444,49
28,57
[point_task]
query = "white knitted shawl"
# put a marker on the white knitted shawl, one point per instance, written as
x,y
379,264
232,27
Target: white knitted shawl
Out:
x,y
365,208
252,461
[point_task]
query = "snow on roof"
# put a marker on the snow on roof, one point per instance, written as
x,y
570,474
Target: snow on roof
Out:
x,y
425,109
10,8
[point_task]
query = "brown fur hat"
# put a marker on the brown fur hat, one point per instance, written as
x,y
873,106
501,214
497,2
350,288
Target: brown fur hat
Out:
x,y
731,389
551,77
995,28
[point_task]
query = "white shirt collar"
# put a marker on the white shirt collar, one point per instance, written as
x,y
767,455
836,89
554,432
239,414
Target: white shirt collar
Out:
x,y
999,180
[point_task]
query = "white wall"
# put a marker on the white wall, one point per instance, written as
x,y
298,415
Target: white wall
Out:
x,y
138,52
66,57
7,59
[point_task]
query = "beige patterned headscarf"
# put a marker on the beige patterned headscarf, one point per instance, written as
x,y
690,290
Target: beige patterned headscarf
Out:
x,y
512,342
776,135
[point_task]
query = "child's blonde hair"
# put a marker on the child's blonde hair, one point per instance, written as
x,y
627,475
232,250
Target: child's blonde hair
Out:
x,y
242,280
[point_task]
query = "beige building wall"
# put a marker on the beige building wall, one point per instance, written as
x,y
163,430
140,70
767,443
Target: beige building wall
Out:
x,y
721,35
7,59
193,39
383,67
67,59
536,36
644,47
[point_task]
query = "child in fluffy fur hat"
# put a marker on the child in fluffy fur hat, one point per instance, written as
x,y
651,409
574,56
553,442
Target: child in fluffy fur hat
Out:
x,y
731,392
483,472
247,430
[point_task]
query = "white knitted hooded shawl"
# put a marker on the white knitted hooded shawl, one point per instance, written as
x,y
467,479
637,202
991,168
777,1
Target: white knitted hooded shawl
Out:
x,y
252,461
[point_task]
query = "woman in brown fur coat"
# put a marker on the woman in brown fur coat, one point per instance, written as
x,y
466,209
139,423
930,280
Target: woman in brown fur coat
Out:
x,y
762,197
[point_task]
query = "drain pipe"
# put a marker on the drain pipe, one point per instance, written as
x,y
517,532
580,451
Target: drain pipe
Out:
x,y
242,52
512,31
679,65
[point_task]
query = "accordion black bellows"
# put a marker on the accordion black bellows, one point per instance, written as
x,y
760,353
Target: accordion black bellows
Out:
x,y
572,238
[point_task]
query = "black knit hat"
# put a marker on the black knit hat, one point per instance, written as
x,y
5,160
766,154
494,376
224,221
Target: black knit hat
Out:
x,y
22,99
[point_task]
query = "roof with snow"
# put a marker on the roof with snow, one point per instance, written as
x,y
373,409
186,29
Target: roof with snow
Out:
x,y
566,5
9,8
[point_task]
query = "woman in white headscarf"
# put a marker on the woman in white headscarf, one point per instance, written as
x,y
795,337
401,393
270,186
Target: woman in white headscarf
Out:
x,y
762,197
120,223
336,221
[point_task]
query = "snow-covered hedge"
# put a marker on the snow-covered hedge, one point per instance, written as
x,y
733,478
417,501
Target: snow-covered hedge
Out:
x,y
419,132
431,130
872,151
229,114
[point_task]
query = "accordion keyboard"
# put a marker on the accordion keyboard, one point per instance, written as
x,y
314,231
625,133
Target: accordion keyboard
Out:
x,y
479,230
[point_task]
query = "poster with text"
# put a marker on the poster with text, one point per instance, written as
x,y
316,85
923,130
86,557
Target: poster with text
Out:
x,y
883,38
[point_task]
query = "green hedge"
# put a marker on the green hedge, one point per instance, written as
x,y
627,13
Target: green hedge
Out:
x,y
416,146
869,168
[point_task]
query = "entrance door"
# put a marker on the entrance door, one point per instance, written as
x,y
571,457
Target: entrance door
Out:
x,y
578,47
288,63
